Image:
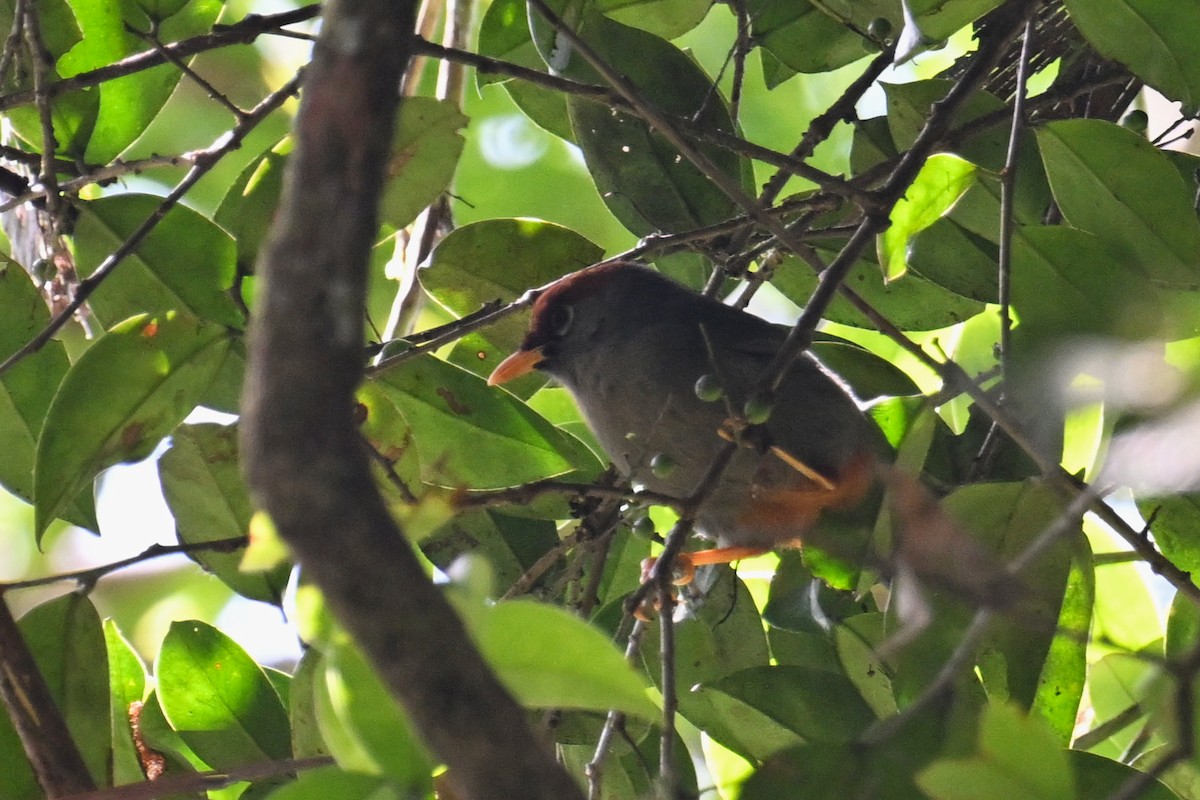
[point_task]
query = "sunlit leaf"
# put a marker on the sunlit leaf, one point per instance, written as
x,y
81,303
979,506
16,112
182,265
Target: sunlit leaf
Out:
x,y
1112,183
941,181
217,699
1154,39
202,483
128,391
27,389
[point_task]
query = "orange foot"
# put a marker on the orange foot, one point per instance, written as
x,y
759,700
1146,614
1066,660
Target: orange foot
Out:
x,y
684,570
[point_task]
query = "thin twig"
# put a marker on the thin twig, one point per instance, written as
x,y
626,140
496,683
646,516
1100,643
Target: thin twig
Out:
x,y
48,176
86,578
242,32
205,161
151,38
197,782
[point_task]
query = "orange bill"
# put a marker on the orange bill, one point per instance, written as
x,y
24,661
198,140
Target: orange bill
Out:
x,y
519,363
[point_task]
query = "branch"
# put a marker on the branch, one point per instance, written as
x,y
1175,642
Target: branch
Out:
x,y
243,32
35,716
205,160
303,457
194,783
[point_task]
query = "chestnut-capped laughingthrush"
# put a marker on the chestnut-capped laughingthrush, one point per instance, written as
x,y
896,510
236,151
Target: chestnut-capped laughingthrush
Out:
x,y
630,345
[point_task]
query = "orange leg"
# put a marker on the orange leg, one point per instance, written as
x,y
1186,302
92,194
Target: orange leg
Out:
x,y
686,563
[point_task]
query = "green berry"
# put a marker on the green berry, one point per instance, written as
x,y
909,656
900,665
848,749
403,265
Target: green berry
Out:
x,y
757,409
662,465
643,526
879,29
1136,121
708,388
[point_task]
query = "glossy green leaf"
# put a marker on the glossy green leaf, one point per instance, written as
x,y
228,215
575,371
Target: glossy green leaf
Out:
x,y
159,275
1064,671
425,152
1096,776
375,734
937,19
1066,282
510,544
326,782
1112,183
1174,520
73,113
66,640
128,104
1017,757
549,658
1007,518
860,13
27,389
129,390
818,705
202,483
910,302
803,37
307,741
867,374
957,259
127,684
909,106
468,435
504,34
249,206
217,699
646,183
665,18
1155,39
937,187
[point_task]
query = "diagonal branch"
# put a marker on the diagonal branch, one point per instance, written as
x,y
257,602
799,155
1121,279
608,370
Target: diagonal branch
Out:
x,y
303,455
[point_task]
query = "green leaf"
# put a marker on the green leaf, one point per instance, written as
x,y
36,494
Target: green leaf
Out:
x,y
124,394
510,544
647,184
127,684
1007,518
1017,757
127,104
217,699
1064,671
1116,683
1173,521
159,275
326,782
1066,282
665,18
1112,183
802,37
817,704
425,152
307,741
372,733
549,658
937,187
1096,776
910,302
955,258
1155,39
468,435
27,389
504,34
67,642
937,19
202,483
248,208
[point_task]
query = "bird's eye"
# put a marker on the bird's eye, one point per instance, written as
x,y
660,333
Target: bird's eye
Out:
x,y
561,317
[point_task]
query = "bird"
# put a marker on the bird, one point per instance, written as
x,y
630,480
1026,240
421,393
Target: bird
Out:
x,y
662,376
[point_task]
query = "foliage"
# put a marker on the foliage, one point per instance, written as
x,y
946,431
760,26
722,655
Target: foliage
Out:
x,y
1079,228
